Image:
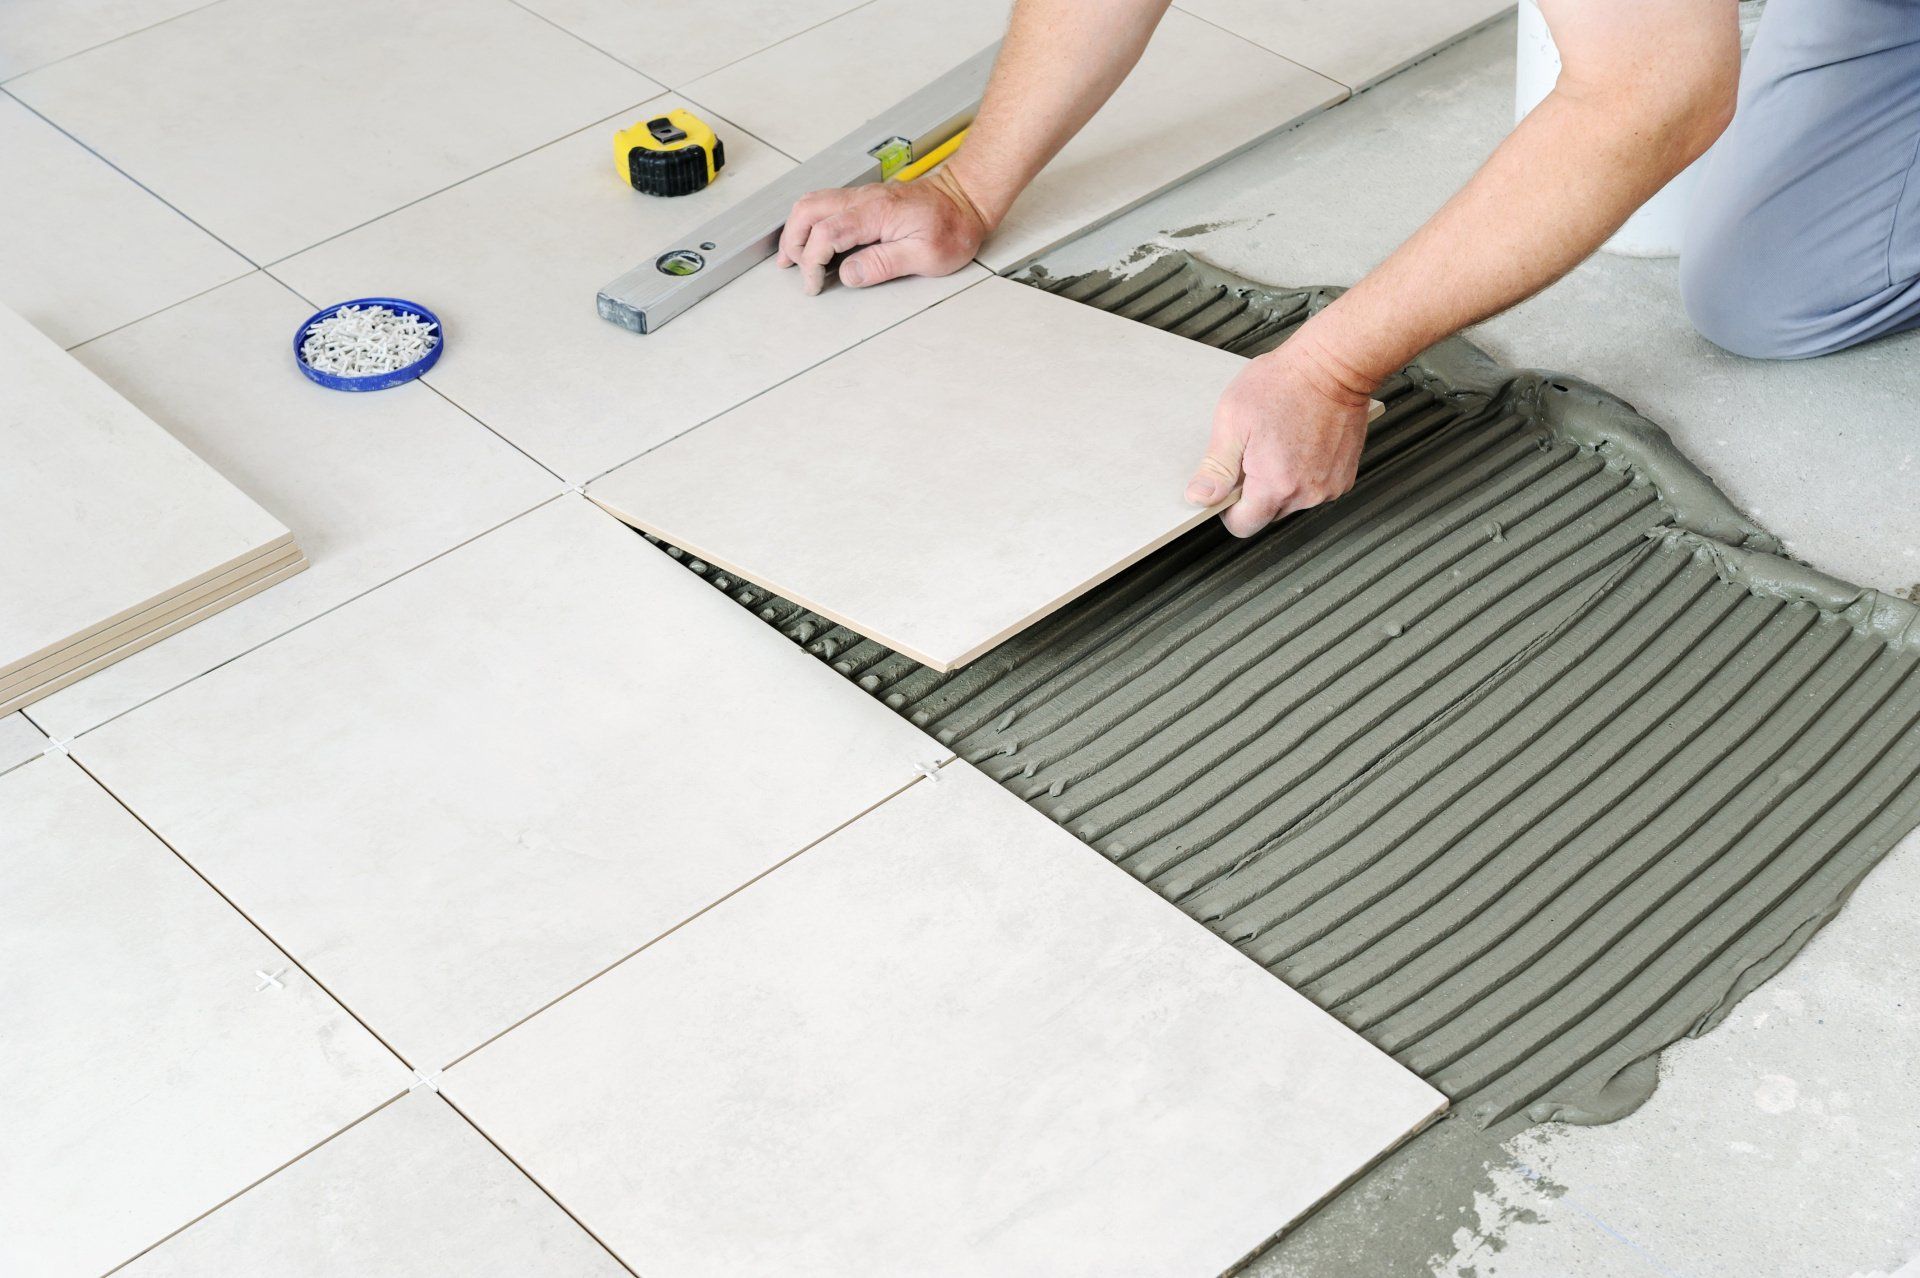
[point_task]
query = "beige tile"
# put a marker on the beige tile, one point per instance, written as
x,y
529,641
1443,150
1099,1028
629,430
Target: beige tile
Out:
x,y
372,484
1356,42
1031,448
657,37
276,125
949,1040
36,32
462,794
20,740
512,262
805,94
102,512
412,1192
148,1070
1198,95
82,249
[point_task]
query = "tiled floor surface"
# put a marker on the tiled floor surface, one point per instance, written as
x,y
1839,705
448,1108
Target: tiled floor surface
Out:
x,y
329,844
183,1038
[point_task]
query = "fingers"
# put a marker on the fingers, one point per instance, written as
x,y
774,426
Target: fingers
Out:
x,y
878,263
843,231
1219,471
808,211
1259,505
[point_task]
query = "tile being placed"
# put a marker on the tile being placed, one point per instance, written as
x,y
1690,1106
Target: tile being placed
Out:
x,y
512,262
1044,446
82,249
36,32
275,125
1198,95
656,37
1357,42
373,485
160,1054
411,1192
464,793
948,1040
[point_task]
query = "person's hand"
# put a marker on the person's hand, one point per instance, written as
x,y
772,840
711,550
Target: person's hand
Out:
x,y
924,227
1287,433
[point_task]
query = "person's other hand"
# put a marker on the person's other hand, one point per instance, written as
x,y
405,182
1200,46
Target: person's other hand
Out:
x,y
885,229
1287,433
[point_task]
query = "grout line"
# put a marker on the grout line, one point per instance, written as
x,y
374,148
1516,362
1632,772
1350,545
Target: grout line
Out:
x,y
1275,53
711,905
535,1182
257,270
853,8
552,141
212,887
731,123
65,57
783,381
558,478
255,1185
378,585
580,39
123,173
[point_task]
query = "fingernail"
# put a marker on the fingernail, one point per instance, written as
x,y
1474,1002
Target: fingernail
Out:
x,y
1201,492
854,273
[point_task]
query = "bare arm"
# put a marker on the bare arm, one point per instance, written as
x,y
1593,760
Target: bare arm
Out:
x,y
1059,62
1645,87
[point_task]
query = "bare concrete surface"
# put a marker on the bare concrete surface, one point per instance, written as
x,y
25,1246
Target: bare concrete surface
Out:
x,y
1787,1140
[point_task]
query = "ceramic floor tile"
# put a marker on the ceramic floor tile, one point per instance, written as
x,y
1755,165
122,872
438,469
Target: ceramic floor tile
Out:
x,y
655,37
412,1192
148,1070
372,484
104,513
36,32
82,249
949,1039
19,740
804,94
513,259
277,125
990,503
1356,42
462,794
1215,91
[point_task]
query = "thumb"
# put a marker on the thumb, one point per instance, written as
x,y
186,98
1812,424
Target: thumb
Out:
x,y
878,263
1219,471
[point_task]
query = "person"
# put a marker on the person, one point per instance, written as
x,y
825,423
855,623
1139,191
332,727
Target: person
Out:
x,y
1806,237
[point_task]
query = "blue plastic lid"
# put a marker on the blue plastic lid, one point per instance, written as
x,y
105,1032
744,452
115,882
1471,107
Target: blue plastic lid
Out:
x,y
374,381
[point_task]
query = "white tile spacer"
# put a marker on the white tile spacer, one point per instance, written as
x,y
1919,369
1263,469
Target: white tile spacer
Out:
x,y
575,490
931,771
428,1081
57,749
269,980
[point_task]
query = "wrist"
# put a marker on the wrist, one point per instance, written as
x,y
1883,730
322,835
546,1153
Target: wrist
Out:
x,y
1316,355
962,182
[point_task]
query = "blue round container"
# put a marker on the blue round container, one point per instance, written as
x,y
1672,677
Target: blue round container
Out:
x,y
376,381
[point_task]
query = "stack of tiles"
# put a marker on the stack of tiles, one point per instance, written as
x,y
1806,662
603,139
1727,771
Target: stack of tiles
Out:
x,y
113,535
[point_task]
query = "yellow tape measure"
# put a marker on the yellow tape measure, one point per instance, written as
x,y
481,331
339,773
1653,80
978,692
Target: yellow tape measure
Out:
x,y
671,154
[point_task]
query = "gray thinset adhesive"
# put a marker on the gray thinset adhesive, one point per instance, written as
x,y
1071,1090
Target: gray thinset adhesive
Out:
x,y
1526,758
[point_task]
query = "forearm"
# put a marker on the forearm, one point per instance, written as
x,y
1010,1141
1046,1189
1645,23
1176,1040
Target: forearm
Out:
x,y
1059,62
1590,154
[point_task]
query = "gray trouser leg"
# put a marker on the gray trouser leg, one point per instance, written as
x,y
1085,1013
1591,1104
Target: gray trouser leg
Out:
x,y
1805,236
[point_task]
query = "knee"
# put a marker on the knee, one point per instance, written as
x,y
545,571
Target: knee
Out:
x,y
1733,299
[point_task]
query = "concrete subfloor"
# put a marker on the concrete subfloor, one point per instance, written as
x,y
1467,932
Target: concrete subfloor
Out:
x,y
1787,1140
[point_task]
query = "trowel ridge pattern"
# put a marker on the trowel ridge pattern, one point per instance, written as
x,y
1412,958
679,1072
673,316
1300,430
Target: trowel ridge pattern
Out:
x,y
1526,758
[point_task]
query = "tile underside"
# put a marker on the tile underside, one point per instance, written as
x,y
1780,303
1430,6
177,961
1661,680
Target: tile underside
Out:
x,y
1486,758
